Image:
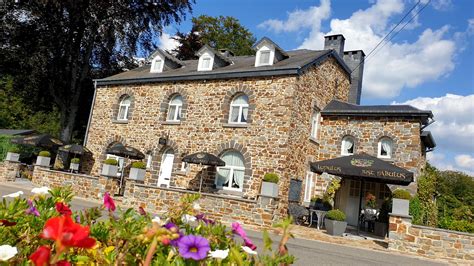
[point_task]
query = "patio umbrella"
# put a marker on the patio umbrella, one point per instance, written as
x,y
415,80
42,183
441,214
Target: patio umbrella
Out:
x,y
124,151
203,158
42,140
74,149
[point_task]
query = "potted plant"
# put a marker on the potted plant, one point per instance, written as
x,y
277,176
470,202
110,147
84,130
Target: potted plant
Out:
x,y
74,165
13,154
137,171
110,167
270,185
381,224
335,222
316,203
44,158
401,201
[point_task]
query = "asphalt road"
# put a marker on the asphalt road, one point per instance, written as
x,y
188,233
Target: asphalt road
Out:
x,y
307,252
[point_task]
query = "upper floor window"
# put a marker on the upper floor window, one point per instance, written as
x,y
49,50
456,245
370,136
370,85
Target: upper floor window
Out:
x,y
315,124
385,148
265,56
205,62
157,65
124,108
347,145
231,176
239,109
174,109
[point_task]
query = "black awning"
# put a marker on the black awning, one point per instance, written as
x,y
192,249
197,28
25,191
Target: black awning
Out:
x,y
204,158
125,151
43,141
364,167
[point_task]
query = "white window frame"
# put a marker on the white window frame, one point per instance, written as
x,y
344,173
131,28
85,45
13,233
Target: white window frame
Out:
x,y
271,56
343,150
231,169
204,56
153,68
309,186
149,160
315,120
126,106
379,149
241,107
184,167
177,110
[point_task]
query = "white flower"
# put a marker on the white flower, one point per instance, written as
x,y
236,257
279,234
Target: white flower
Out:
x,y
7,252
196,206
40,190
14,195
219,254
188,218
249,250
157,220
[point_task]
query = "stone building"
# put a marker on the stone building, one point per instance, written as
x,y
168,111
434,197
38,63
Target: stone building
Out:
x,y
276,111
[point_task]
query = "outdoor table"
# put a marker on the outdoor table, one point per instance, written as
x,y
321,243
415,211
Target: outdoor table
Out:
x,y
320,214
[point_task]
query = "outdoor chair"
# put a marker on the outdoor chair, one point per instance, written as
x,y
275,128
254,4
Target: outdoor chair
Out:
x,y
299,213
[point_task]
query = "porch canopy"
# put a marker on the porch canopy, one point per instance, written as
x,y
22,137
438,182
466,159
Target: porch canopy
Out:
x,y
365,168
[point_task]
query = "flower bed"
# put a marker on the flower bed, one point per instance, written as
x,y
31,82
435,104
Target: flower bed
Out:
x,y
43,230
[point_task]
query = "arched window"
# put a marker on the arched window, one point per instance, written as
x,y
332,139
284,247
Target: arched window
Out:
x,y
124,108
315,124
385,148
239,109
174,109
231,176
347,145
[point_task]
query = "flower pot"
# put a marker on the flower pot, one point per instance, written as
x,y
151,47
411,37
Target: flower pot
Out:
x,y
109,170
137,174
43,161
74,166
380,229
269,189
400,206
335,228
13,157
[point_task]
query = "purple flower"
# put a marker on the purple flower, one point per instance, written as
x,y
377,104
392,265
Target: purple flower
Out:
x,y
201,217
32,209
173,228
193,247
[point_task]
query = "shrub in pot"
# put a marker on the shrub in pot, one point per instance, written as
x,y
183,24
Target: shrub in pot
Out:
x,y
44,158
137,171
401,202
110,167
270,185
74,165
13,154
335,222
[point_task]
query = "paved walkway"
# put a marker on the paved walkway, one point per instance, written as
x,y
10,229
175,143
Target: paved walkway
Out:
x,y
340,251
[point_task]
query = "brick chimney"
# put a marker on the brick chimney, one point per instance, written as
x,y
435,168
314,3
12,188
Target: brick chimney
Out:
x,y
335,42
355,61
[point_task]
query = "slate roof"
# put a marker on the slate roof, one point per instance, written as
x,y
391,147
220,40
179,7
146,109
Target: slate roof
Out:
x,y
242,66
336,107
16,132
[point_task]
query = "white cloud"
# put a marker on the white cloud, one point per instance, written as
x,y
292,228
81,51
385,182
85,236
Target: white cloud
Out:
x,y
465,161
396,65
166,42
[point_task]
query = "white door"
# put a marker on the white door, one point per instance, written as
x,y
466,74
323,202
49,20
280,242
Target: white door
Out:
x,y
352,204
165,169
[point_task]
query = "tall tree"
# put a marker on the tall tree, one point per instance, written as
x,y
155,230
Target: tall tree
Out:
x,y
218,32
55,48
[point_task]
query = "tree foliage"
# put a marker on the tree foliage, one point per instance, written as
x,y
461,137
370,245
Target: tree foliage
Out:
x,y
218,32
53,49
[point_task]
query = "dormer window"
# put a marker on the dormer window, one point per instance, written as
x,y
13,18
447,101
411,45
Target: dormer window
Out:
x,y
205,64
268,52
210,59
162,61
157,65
265,56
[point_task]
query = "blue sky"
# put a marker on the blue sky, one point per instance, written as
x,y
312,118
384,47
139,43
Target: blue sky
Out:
x,y
429,64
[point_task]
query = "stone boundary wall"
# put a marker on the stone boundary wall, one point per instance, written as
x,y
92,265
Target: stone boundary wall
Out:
x,y
260,213
429,241
8,171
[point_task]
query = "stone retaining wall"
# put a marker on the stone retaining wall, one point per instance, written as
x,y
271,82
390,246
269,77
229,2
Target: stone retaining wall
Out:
x,y
8,171
428,241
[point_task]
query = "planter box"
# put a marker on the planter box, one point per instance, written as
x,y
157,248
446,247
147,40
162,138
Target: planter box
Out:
x,y
109,170
13,157
43,161
400,206
137,174
269,189
380,229
74,166
335,228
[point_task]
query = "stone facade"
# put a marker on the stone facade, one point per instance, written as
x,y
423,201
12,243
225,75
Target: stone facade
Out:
x,y
428,241
8,171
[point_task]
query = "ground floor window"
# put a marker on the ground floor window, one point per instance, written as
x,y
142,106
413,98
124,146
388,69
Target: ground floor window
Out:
x,y
231,176
308,187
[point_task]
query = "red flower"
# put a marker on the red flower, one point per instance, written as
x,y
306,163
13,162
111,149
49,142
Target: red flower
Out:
x,y
63,263
63,209
4,222
141,211
41,256
66,233
109,202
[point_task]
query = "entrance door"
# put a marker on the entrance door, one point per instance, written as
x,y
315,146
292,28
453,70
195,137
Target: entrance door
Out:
x,y
166,168
352,204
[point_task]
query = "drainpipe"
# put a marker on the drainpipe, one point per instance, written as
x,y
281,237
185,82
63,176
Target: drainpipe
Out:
x,y
90,114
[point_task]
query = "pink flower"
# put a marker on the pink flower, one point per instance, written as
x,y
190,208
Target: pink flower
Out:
x,y
238,230
109,202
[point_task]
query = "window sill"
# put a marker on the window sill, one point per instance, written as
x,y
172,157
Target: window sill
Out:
x,y
184,173
230,192
315,141
115,121
390,160
171,123
235,125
